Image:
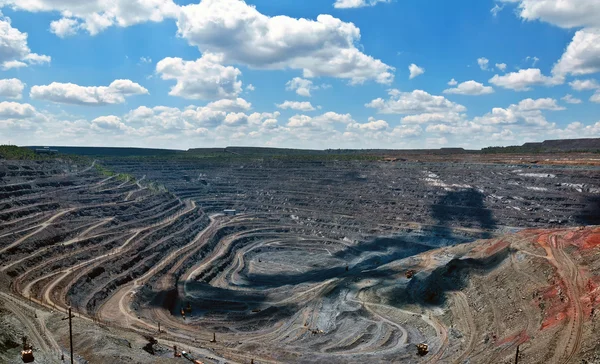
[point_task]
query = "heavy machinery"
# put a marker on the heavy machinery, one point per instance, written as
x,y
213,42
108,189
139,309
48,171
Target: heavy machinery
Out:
x,y
422,349
27,352
176,353
410,273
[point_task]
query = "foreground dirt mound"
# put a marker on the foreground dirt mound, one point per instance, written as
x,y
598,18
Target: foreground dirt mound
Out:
x,y
537,290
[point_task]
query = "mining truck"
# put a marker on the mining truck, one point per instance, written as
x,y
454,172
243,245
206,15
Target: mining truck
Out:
x,y
27,352
422,349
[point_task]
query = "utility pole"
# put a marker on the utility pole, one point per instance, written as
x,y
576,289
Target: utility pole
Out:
x,y
71,334
517,356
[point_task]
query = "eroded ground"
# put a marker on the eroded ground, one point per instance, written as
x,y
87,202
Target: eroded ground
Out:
x,y
313,266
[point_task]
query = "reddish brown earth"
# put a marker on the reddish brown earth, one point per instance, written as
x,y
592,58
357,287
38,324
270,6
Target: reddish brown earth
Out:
x,y
312,269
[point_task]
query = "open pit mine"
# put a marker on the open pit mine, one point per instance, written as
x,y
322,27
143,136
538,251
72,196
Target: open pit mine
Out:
x,y
243,255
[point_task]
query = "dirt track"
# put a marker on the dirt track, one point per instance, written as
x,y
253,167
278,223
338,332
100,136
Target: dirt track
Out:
x,y
312,269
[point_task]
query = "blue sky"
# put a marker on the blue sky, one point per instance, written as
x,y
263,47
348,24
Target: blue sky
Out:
x,y
310,74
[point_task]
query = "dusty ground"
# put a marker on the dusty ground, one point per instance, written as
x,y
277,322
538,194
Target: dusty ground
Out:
x,y
312,269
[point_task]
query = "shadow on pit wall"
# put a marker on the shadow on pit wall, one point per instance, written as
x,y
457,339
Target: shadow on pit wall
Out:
x,y
590,215
463,208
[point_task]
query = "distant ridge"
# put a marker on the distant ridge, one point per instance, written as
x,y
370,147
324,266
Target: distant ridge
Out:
x,y
548,146
566,145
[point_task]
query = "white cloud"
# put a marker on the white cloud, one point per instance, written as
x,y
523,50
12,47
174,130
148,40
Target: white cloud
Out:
x,y
250,87
415,102
501,66
14,51
372,125
230,105
405,131
206,78
347,4
69,93
415,71
15,110
145,60
321,122
534,60
301,86
528,111
568,98
11,88
581,85
524,79
595,97
446,117
235,119
539,104
564,13
64,27
582,56
13,64
496,9
470,88
296,105
108,123
95,16
325,47
452,82
34,58
483,63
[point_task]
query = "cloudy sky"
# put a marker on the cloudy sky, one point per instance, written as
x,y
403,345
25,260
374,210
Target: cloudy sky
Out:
x,y
288,73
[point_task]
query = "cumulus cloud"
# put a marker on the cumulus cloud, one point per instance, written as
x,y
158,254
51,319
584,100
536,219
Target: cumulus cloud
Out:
x,y
452,82
347,4
415,102
528,111
322,47
69,93
581,85
11,88
15,110
95,16
563,13
582,56
296,105
372,125
568,98
501,66
470,88
230,105
445,117
483,63
415,71
14,51
524,79
13,64
108,123
301,86
64,27
206,78
321,122
595,97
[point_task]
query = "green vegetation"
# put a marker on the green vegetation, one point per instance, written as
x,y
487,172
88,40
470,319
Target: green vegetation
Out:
x,y
14,152
103,170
